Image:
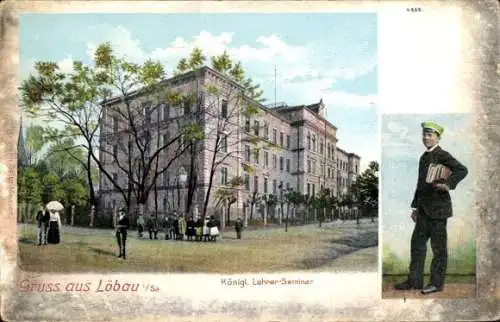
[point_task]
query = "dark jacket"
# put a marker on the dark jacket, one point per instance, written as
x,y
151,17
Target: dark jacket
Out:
x,y
435,203
124,223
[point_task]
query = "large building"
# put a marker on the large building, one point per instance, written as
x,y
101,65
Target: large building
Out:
x,y
274,149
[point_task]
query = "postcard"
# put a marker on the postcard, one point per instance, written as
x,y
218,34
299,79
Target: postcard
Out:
x,y
247,161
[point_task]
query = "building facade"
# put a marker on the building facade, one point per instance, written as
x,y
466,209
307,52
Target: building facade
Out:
x,y
274,149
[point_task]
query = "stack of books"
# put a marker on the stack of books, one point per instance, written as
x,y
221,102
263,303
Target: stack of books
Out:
x,y
437,172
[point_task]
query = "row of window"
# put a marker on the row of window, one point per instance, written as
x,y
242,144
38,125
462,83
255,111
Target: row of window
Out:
x,y
256,132
256,159
320,148
265,186
343,165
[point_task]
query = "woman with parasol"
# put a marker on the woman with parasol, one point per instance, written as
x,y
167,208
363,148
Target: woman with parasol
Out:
x,y
54,234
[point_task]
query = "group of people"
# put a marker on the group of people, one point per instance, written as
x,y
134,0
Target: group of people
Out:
x,y
49,227
176,227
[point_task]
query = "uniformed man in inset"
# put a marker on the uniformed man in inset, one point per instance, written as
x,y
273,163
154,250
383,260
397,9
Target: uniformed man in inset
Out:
x,y
431,208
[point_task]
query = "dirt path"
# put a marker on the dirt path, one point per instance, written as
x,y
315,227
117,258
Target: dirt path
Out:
x,y
450,291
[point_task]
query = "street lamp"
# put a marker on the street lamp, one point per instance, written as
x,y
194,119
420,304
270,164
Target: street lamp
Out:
x,y
181,180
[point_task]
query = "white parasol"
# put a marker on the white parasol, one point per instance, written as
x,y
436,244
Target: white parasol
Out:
x,y
54,205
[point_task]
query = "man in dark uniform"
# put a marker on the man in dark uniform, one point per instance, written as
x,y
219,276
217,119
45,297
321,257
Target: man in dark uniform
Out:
x,y
431,208
121,226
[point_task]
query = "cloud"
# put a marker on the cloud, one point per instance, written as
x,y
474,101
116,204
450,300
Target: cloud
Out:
x,y
303,74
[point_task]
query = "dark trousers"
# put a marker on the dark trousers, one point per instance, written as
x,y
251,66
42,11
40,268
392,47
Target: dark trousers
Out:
x,y
153,233
42,233
238,233
435,229
121,239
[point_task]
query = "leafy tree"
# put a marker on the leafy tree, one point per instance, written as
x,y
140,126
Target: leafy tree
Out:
x,y
76,100
365,189
228,195
293,198
225,65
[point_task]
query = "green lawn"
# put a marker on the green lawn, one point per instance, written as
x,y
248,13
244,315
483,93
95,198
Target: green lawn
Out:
x,y
461,261
261,251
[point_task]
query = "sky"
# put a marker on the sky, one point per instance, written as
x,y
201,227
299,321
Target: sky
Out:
x,y
317,56
401,150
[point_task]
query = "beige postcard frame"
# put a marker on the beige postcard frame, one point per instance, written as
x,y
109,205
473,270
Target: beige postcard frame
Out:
x,y
332,296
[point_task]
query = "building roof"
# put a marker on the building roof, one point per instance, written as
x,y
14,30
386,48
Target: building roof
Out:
x,y
175,78
349,154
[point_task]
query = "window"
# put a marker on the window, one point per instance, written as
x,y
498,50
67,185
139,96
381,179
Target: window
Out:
x,y
266,132
165,202
266,158
181,142
313,189
287,165
275,136
281,138
187,107
287,186
265,185
308,189
281,189
223,176
166,112
314,166
321,146
246,180
146,112
115,178
115,124
314,143
328,149
308,141
256,128
165,178
308,166
356,168
115,150
247,153
247,124
256,155
275,163
256,184
288,141
275,187
224,109
281,164
165,139
224,144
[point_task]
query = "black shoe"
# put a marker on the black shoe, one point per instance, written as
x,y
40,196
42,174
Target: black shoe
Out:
x,y
124,257
431,289
406,285
120,255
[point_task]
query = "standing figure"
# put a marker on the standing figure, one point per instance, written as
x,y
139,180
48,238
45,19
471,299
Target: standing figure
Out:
x,y
199,228
190,228
140,225
121,226
431,209
43,219
213,228
153,227
238,226
54,235
206,229
182,227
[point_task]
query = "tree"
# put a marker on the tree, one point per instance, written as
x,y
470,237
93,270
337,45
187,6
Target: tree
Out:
x,y
81,101
228,195
295,199
365,190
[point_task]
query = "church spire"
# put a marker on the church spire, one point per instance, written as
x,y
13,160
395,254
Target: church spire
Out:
x,y
22,158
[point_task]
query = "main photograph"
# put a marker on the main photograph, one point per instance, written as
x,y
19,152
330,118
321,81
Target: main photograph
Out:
x,y
192,143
